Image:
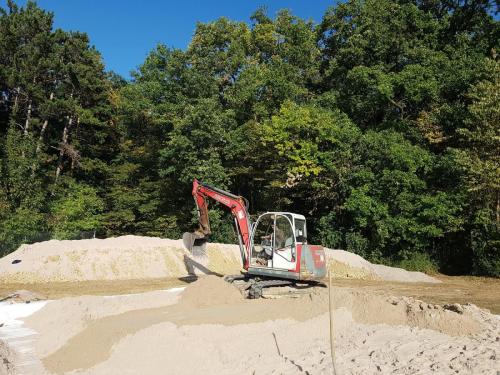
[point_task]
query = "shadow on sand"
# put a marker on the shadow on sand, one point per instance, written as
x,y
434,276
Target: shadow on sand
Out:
x,y
191,266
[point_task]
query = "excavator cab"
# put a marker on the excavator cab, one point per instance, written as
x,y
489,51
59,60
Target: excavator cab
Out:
x,y
280,249
276,236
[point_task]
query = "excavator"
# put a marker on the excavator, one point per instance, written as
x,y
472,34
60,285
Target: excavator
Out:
x,y
274,249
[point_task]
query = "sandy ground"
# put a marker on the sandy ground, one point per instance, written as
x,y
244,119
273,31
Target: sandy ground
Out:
x,y
483,292
174,325
208,328
139,258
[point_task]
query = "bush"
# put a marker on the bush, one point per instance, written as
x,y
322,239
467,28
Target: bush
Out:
x,y
486,250
417,261
76,209
356,243
221,225
25,225
328,233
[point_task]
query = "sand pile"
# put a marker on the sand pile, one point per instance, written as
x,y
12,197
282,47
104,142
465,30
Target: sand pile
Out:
x,y
120,258
209,291
212,329
349,265
135,257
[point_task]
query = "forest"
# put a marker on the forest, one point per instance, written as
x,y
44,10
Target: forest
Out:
x,y
381,124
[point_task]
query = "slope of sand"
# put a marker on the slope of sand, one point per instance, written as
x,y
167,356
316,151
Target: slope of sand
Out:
x,y
135,257
345,264
211,329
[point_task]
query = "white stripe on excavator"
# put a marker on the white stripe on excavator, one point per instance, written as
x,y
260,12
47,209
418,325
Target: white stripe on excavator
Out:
x,y
20,338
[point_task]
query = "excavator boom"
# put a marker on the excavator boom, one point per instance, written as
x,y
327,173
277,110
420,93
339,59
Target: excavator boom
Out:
x,y
195,241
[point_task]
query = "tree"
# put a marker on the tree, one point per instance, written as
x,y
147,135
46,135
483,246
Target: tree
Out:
x,y
479,158
54,117
75,211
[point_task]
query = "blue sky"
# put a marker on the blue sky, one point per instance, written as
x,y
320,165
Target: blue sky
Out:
x,y
124,31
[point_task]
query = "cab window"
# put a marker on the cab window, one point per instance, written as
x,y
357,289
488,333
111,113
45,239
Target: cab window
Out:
x,y
300,230
283,234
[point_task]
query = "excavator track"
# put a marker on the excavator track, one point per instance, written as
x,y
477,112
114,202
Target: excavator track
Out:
x,y
254,287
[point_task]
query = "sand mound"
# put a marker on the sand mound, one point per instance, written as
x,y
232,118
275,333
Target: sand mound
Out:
x,y
135,257
348,265
405,311
208,291
120,258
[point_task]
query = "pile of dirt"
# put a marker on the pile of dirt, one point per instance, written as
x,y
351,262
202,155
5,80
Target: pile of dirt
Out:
x,y
209,291
344,264
406,311
136,257
120,258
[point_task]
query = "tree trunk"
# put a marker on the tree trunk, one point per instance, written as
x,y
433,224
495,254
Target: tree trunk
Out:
x,y
44,128
74,159
28,117
16,101
498,210
64,143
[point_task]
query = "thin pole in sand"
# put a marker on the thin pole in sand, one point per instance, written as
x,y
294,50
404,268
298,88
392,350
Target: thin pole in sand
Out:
x,y
330,309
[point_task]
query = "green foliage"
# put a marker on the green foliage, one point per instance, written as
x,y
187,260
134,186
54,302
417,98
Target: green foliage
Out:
x,y
221,224
75,209
310,139
486,249
20,180
54,112
380,124
357,243
21,193
417,261
21,226
390,200
196,145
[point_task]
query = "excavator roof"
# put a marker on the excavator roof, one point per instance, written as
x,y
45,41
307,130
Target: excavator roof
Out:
x,y
295,216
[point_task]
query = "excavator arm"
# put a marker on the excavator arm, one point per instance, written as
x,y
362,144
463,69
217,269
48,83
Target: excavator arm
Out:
x,y
195,242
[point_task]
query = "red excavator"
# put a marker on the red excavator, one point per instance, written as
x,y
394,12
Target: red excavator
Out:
x,y
274,249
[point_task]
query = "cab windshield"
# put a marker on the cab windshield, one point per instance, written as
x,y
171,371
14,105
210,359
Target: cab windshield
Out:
x,y
272,235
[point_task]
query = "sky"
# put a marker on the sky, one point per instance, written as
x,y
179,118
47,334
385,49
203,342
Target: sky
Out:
x,y
124,31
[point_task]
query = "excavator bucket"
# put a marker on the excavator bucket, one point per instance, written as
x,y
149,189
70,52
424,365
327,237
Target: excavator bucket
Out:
x,y
195,243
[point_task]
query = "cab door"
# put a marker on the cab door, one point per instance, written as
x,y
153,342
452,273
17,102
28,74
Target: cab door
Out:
x,y
263,237
284,244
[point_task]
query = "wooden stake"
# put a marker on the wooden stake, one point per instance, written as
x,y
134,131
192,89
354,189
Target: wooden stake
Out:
x,y
330,309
